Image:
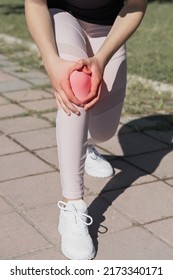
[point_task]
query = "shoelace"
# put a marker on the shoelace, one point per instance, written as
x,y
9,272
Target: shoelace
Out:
x,y
77,214
94,153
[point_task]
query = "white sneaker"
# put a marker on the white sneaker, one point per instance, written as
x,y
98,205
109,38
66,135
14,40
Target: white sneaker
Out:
x,y
96,165
76,243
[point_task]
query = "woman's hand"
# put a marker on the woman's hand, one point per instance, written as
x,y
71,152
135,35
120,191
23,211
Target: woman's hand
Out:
x,y
95,68
59,72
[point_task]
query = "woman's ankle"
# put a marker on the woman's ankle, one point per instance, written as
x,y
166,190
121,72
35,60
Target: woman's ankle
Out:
x,y
65,199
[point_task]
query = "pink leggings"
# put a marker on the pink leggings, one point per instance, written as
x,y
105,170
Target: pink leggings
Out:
x,y
78,39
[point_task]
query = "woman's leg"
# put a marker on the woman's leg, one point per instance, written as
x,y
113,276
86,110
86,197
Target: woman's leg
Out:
x,y
105,115
76,242
72,142
71,131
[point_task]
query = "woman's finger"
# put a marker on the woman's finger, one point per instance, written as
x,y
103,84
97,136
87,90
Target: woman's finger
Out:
x,y
95,88
70,95
91,104
68,104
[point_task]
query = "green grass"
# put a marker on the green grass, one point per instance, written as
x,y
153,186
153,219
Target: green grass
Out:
x,y
12,19
150,49
21,54
143,99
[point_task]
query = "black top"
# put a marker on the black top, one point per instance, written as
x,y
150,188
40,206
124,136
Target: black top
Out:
x,y
94,11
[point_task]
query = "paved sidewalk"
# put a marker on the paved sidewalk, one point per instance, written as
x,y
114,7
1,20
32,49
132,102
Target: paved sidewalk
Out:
x,y
132,211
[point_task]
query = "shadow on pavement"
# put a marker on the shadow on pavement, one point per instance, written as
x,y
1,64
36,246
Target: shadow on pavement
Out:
x,y
160,128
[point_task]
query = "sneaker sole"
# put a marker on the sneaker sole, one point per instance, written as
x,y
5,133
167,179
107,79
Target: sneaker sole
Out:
x,y
71,257
92,173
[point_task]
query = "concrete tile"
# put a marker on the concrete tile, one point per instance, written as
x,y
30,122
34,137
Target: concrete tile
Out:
x,y
170,182
45,254
41,105
37,139
133,244
13,85
106,220
4,207
50,155
20,124
46,218
131,144
10,110
2,57
158,163
33,191
39,81
125,175
4,77
7,146
144,203
28,95
145,122
163,229
164,135
20,165
50,116
5,63
31,74
125,119
18,237
122,128
3,101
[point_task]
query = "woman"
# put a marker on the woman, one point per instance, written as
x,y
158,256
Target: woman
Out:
x,y
88,37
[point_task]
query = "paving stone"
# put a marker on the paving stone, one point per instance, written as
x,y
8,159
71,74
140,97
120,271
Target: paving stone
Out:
x,y
45,254
2,57
31,74
21,124
10,110
131,144
19,238
4,207
165,136
50,116
133,244
4,77
145,122
5,63
123,129
20,165
41,105
46,218
33,191
28,95
125,175
13,85
7,146
44,82
106,220
163,229
37,139
170,182
50,155
3,101
158,163
144,203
